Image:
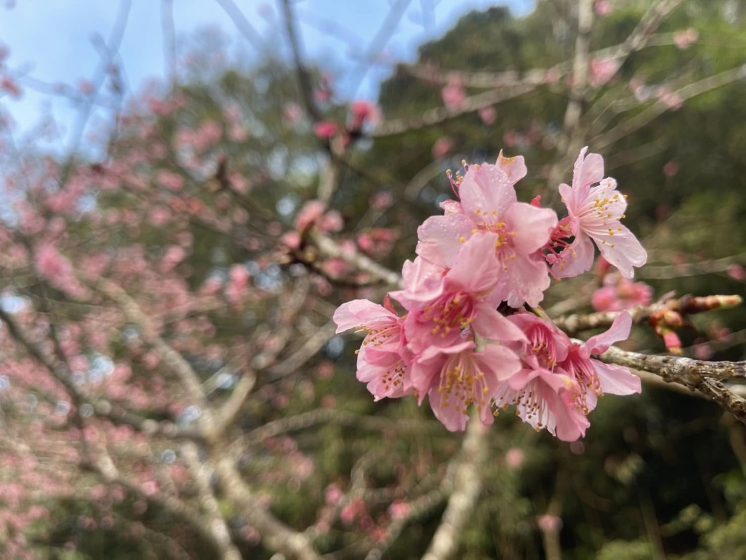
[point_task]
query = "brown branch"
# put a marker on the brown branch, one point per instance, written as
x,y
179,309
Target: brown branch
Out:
x,y
109,473
331,249
697,375
439,115
217,525
571,137
686,371
275,535
683,270
686,305
684,93
467,483
303,75
173,359
308,350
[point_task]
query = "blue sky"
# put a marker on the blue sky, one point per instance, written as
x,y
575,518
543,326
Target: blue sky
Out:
x,y
54,40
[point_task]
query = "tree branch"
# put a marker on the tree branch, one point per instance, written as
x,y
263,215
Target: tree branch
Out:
x,y
467,482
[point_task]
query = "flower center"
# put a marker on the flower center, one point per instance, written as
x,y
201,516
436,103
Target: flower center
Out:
x,y
451,311
462,384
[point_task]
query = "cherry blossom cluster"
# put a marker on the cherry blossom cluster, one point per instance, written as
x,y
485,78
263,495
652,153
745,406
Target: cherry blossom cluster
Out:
x,y
471,334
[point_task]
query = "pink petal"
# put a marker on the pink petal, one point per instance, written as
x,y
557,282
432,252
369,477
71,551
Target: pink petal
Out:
x,y
513,167
361,313
522,378
622,250
486,193
616,380
571,423
558,381
490,324
524,281
498,363
532,226
575,259
426,368
449,415
423,282
441,237
588,170
569,198
619,330
476,268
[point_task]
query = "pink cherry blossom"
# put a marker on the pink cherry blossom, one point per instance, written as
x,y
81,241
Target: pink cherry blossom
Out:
x,y
489,205
363,113
457,377
488,115
603,70
603,8
685,38
618,294
382,362
514,458
594,215
443,305
325,130
442,147
595,377
545,396
453,94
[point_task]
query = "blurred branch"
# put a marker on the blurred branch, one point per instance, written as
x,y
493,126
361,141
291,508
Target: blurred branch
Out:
x,y
242,24
683,270
169,40
106,469
276,536
686,305
308,350
173,359
217,525
467,483
303,75
312,418
439,115
112,45
571,136
378,43
101,408
329,248
635,122
642,33
417,508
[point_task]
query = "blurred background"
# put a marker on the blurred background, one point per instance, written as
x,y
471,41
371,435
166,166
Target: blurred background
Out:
x,y
190,188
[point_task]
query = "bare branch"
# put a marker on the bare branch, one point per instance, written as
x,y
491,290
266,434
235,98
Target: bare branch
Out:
x,y
571,138
169,40
697,375
439,115
636,122
217,524
173,359
331,249
304,76
467,483
274,533
683,270
686,305
242,24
